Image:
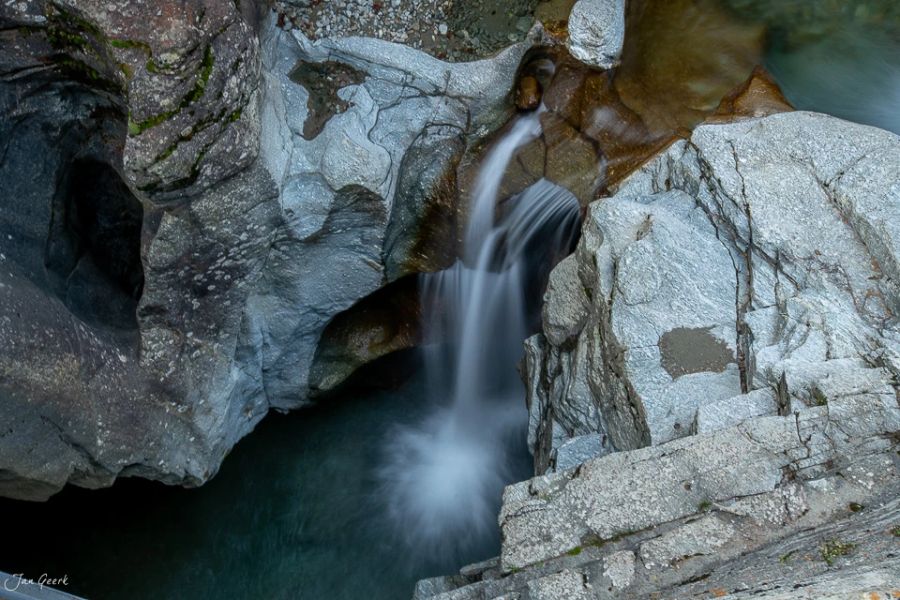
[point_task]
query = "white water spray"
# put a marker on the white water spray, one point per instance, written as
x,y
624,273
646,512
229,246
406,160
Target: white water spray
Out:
x,y
443,478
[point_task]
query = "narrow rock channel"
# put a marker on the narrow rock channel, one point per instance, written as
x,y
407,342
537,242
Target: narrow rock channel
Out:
x,y
434,299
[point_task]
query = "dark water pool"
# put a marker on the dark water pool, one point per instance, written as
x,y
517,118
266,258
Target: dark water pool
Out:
x,y
840,57
294,513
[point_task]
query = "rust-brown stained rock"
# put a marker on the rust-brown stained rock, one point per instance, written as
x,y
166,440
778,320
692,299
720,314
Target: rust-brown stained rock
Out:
x,y
572,158
422,233
759,96
528,93
680,59
554,14
387,321
526,167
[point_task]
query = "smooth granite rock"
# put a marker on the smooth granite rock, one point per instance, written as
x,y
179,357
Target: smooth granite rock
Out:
x,y
382,168
750,270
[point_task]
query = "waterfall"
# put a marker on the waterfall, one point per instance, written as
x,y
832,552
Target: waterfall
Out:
x,y
443,478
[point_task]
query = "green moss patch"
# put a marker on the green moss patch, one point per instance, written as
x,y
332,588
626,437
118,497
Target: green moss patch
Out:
x,y
834,549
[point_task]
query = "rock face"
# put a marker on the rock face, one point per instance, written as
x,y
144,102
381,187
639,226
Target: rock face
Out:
x,y
805,502
597,32
148,322
728,324
189,74
379,167
599,126
749,270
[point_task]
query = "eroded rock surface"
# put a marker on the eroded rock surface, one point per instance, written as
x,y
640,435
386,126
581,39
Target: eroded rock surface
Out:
x,y
150,324
396,141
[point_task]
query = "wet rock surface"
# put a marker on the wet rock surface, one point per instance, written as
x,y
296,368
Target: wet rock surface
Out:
x,y
601,125
759,96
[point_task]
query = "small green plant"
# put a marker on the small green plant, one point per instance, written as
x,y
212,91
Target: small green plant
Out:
x,y
787,557
818,397
704,506
834,549
574,551
895,531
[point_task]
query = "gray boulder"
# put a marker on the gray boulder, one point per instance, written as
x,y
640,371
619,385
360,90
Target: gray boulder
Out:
x,y
750,270
597,32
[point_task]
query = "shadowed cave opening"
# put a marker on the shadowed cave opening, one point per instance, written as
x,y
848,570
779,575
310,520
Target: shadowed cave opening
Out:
x,y
93,253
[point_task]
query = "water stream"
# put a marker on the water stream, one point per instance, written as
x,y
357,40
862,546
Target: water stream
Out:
x,y
444,477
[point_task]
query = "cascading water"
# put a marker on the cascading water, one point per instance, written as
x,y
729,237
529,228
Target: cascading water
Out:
x,y
443,478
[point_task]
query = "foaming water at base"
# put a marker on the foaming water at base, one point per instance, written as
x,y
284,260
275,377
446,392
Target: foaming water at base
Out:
x,y
445,476
442,479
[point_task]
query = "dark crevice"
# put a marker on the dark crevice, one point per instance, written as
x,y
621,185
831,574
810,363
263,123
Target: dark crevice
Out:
x,y
92,253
